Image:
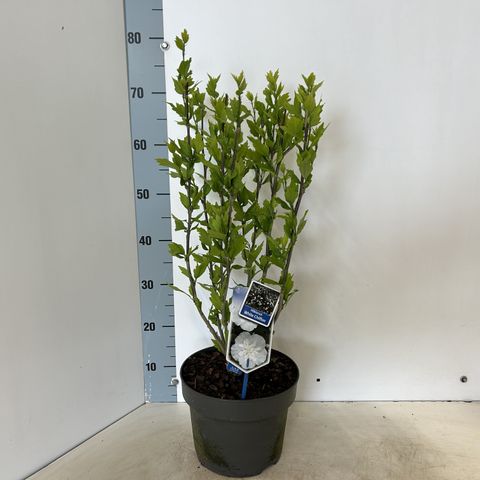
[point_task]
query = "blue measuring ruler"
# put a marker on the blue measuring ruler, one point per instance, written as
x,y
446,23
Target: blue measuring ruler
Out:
x,y
148,119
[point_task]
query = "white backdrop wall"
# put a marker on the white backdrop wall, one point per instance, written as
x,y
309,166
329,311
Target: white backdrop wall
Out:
x,y
70,347
388,267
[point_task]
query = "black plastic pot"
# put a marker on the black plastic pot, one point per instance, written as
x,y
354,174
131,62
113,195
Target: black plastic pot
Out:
x,y
238,438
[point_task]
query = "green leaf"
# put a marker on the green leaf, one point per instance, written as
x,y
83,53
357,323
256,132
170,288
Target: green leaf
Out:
x,y
277,261
179,224
273,245
199,270
176,250
164,162
294,126
310,80
288,285
309,103
184,67
254,253
241,83
217,235
282,203
216,300
180,290
180,43
206,286
236,246
212,86
290,224
291,192
185,36
185,200
220,110
197,143
260,147
305,165
302,223
205,238
264,261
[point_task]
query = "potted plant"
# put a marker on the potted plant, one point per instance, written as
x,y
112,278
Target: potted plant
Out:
x,y
243,166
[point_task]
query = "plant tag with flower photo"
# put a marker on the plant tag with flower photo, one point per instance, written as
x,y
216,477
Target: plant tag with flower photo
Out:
x,y
249,344
260,304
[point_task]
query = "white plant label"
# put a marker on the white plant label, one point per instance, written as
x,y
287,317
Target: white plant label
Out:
x,y
249,344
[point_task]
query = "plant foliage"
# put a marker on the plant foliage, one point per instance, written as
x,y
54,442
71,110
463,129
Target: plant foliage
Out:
x,y
243,165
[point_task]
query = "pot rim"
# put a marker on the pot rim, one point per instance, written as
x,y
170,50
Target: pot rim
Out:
x,y
239,401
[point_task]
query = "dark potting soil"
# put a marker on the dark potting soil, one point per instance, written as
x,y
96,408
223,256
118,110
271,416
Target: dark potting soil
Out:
x,y
205,371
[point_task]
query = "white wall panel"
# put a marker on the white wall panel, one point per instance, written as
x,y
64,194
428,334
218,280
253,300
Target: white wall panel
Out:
x,y
70,348
388,267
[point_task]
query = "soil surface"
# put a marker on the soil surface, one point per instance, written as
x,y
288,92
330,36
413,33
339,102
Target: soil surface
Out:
x,y
205,371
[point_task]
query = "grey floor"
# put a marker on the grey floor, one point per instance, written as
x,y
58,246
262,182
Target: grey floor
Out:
x,y
341,441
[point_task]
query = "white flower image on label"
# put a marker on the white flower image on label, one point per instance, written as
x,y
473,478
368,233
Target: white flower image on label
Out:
x,y
249,350
244,324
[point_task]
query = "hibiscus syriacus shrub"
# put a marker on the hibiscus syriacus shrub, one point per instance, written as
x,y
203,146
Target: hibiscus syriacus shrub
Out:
x,y
243,165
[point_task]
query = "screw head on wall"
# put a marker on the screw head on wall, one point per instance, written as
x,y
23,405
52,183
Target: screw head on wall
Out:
x,y
464,379
164,46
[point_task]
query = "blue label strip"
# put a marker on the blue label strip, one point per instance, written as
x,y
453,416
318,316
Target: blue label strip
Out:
x,y
244,386
256,315
233,369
